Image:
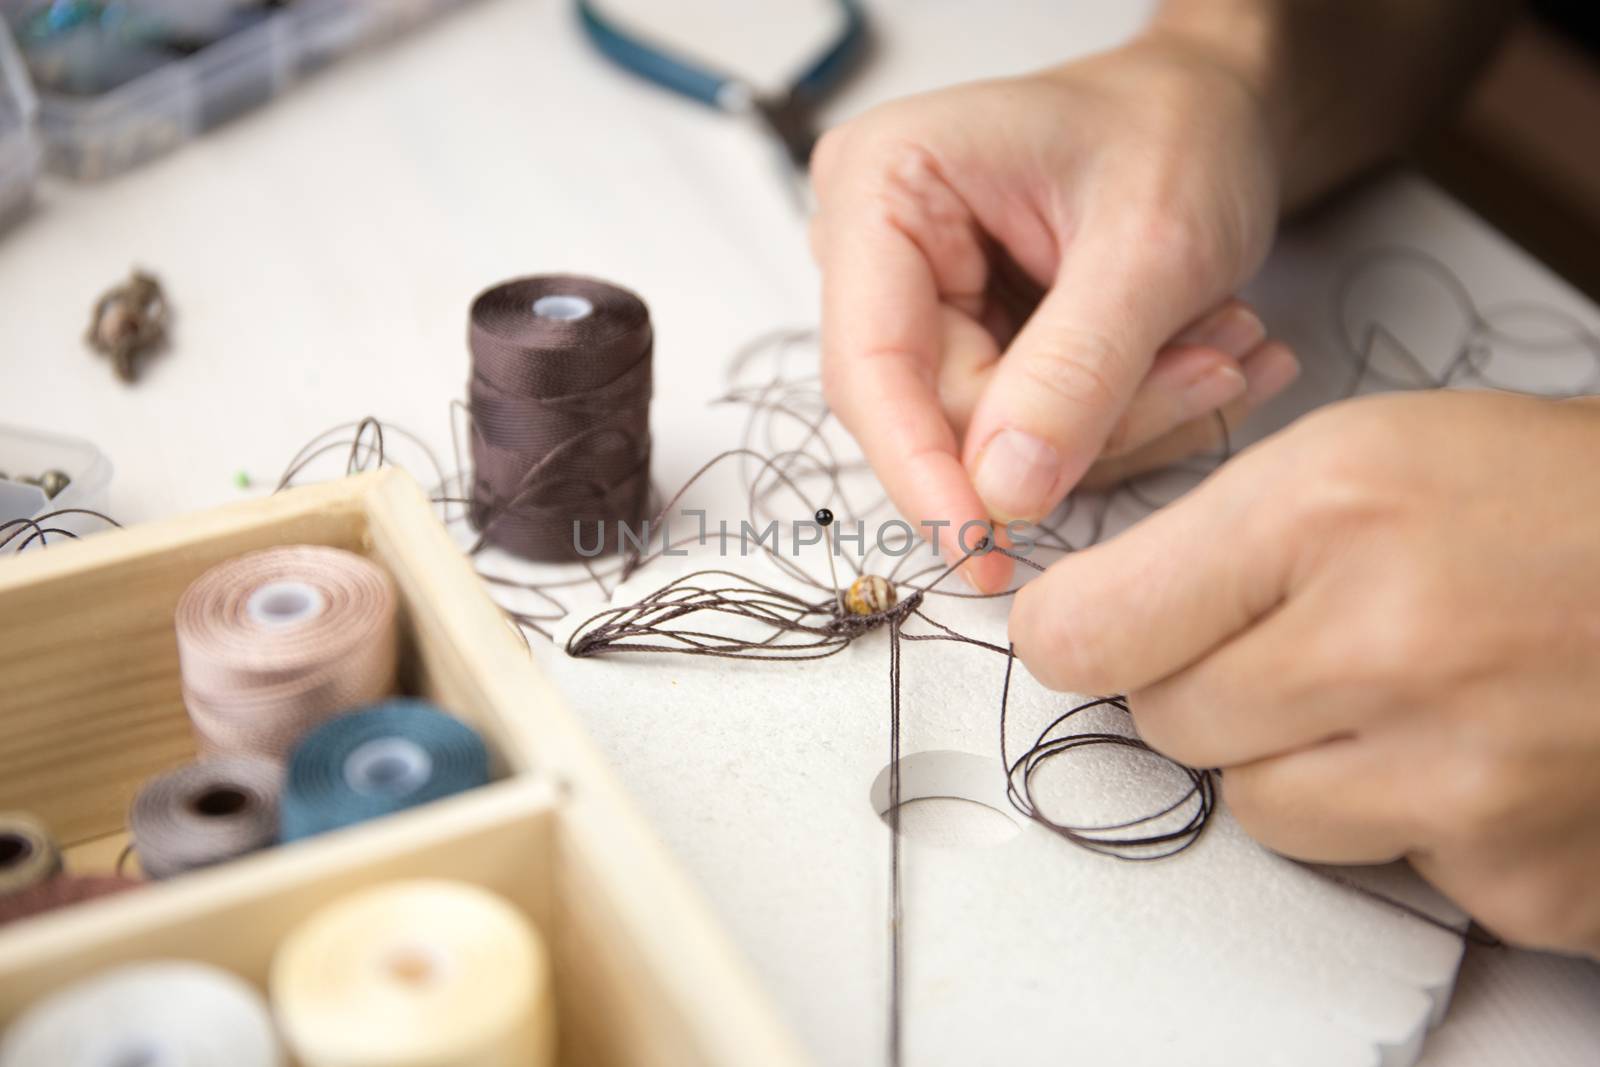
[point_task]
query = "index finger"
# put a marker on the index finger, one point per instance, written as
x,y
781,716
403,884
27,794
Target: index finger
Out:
x,y
1129,612
881,338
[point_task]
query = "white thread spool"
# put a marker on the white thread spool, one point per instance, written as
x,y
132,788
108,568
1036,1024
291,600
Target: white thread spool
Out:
x,y
563,307
157,1014
416,974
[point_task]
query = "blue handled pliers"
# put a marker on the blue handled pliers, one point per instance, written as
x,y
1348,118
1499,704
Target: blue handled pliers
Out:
x,y
788,115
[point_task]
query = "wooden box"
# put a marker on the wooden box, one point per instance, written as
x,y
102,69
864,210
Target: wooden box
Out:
x,y
90,708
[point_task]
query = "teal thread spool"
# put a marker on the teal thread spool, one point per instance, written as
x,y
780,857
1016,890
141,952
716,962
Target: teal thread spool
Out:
x,y
387,758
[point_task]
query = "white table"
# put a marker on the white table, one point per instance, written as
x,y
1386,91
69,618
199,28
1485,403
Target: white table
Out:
x,y
322,253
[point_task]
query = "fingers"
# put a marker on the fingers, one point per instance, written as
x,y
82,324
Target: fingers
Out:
x,y
1198,373
1144,605
881,346
970,356
1264,693
1338,802
1067,378
1268,371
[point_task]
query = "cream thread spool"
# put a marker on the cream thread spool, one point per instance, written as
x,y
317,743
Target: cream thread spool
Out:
x,y
28,855
418,973
156,1014
274,643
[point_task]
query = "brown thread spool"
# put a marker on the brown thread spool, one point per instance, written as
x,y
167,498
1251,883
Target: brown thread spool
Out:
x,y
59,892
28,854
274,643
205,813
560,405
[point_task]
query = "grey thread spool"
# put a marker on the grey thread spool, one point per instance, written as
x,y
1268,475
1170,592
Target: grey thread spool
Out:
x,y
205,813
28,855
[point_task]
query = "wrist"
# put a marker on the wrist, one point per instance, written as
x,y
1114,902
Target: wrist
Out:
x,y
1244,39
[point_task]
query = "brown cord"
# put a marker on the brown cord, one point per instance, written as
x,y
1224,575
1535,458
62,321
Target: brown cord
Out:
x,y
39,530
560,413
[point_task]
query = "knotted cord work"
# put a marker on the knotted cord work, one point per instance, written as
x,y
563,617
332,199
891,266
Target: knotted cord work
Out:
x,y
792,460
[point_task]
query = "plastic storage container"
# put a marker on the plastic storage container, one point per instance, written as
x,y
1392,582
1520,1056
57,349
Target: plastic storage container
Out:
x,y
102,134
19,152
30,453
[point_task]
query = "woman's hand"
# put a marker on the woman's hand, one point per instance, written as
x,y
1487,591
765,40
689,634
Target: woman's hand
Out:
x,y
1089,223
1384,625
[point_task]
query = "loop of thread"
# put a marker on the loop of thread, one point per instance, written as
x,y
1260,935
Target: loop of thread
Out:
x,y
155,1013
561,416
323,791
28,854
423,971
58,892
205,813
253,686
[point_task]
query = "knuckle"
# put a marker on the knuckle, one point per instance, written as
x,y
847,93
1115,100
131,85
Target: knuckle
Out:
x,y
1071,371
836,388
1176,239
1338,481
1058,654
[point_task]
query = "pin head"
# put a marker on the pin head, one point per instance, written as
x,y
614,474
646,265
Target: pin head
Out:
x,y
824,517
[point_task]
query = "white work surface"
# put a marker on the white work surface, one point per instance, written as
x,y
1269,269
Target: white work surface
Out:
x,y
322,253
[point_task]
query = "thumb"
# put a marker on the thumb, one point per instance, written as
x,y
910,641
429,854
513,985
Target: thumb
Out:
x,y
1068,377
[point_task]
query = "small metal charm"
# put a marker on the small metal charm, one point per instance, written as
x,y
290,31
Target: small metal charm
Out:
x,y
869,595
53,481
129,321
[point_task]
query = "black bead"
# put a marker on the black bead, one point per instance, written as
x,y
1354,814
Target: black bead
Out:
x,y
824,517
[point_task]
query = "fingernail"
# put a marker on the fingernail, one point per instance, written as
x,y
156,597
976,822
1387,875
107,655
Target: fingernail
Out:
x,y
1235,331
1016,475
1270,372
966,576
1214,387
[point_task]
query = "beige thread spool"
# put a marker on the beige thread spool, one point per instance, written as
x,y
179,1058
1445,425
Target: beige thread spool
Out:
x,y
274,643
418,973
28,855
205,813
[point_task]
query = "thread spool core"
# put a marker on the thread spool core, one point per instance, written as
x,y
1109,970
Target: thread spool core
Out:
x,y
220,802
137,1056
280,604
14,849
415,966
388,766
563,307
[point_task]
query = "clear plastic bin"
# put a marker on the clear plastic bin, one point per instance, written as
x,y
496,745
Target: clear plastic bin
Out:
x,y
99,135
31,453
19,152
